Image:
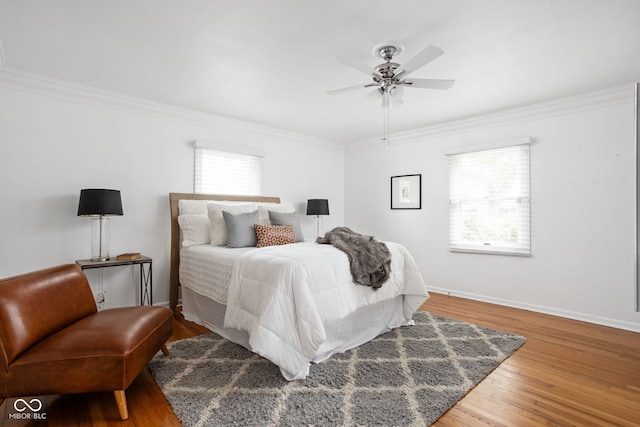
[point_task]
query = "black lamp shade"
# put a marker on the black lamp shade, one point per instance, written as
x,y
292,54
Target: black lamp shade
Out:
x,y
98,201
317,207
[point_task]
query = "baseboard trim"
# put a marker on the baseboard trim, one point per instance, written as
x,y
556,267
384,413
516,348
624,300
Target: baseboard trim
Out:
x,y
598,320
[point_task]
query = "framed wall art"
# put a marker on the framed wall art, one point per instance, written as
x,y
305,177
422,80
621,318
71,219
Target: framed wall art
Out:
x,y
406,192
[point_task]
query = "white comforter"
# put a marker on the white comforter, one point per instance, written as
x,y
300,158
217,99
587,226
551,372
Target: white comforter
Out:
x,y
282,295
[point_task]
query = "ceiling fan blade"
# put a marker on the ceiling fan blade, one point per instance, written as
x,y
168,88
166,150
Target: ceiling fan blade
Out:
x,y
350,88
421,59
441,84
353,62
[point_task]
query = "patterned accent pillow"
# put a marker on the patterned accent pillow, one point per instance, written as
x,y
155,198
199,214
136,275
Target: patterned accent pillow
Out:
x,y
272,235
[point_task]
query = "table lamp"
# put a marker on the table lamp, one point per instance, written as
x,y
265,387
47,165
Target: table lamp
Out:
x,y
99,204
318,207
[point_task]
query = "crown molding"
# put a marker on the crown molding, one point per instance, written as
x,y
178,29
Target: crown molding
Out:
x,y
13,79
569,105
23,81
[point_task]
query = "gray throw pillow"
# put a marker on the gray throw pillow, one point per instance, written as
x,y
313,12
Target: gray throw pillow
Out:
x,y
240,230
291,218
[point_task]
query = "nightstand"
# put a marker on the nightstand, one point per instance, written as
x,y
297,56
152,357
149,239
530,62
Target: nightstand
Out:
x,y
145,263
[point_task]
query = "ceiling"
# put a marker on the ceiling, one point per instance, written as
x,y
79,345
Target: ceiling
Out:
x,y
272,62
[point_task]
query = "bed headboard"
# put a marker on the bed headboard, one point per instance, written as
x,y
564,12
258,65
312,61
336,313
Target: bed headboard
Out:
x,y
174,280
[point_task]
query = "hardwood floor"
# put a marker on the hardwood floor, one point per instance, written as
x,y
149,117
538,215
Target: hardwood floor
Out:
x,y
568,373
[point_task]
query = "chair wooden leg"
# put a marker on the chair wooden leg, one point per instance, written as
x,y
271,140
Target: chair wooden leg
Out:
x,y
164,349
121,400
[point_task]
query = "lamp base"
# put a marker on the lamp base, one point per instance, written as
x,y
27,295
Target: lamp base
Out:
x,y
100,239
318,226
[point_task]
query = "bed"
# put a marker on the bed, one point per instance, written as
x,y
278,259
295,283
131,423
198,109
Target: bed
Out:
x,y
294,304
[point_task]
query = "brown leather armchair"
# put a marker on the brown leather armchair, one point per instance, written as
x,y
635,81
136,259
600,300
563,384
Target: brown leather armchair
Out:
x,y
53,340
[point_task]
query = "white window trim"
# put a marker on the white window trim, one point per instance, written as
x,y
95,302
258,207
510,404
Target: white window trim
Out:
x,y
229,148
504,143
515,250
231,151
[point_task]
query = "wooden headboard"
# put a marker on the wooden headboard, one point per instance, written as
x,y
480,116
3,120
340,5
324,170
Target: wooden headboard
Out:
x,y
174,279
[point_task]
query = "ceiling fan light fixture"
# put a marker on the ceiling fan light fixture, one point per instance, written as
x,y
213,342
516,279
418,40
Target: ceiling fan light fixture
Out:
x,y
375,95
384,102
396,92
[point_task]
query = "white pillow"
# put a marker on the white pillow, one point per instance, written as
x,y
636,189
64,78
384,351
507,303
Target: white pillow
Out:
x,y
198,207
218,230
192,207
264,208
195,229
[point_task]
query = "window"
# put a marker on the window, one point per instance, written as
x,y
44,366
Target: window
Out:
x,y
489,206
221,172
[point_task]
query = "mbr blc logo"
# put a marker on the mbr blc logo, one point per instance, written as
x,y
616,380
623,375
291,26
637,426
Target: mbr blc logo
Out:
x,y
21,405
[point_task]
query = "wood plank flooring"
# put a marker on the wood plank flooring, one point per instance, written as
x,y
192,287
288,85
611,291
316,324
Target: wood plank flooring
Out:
x,y
568,373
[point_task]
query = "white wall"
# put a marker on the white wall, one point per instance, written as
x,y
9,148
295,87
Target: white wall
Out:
x,y
56,139
583,201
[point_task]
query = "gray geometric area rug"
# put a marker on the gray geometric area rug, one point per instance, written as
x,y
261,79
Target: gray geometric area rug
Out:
x,y
406,377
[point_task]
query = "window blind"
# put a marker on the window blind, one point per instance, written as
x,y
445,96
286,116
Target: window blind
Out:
x,y
489,201
221,172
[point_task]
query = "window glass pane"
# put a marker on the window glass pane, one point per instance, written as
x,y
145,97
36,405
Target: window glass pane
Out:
x,y
489,209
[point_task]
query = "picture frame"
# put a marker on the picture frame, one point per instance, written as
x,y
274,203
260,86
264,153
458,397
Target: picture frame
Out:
x,y
406,191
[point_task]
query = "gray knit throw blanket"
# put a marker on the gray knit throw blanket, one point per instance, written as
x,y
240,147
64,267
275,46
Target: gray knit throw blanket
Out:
x,y
369,259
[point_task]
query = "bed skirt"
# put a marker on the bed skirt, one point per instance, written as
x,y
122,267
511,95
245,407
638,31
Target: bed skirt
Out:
x,y
344,334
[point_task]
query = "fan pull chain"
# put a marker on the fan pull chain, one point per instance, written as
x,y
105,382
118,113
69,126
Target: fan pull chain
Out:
x,y
385,123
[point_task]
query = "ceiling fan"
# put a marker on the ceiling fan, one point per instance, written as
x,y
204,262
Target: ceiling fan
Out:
x,y
390,78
